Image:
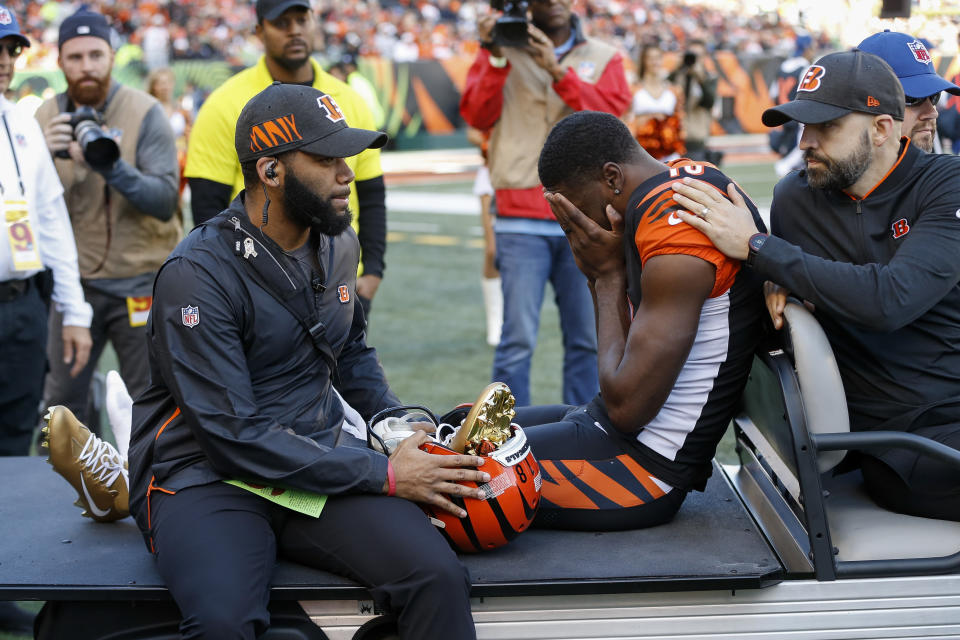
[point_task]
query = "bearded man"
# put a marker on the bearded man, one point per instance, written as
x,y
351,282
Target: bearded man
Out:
x,y
261,372
868,233
116,157
922,87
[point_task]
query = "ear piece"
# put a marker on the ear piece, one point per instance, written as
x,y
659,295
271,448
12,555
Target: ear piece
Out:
x,y
271,171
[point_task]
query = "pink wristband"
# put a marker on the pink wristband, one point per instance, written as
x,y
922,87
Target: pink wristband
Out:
x,y
391,480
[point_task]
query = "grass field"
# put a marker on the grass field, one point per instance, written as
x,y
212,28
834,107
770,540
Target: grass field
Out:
x,y
428,321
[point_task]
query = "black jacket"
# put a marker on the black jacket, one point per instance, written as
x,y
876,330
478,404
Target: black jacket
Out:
x,y
239,388
884,274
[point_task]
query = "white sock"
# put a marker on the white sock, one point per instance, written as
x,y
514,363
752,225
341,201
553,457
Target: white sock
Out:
x,y
493,303
119,406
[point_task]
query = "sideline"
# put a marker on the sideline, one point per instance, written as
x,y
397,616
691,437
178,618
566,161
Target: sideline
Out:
x,y
459,165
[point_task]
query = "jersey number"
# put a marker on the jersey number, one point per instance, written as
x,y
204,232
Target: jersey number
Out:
x,y
692,169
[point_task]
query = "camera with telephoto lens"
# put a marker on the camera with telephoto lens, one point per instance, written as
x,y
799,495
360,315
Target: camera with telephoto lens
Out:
x,y
99,149
689,59
511,28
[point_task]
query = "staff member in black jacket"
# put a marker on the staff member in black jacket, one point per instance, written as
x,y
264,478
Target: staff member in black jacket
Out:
x,y
868,233
259,368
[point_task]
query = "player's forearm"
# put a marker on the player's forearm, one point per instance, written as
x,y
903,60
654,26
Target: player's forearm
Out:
x,y
613,326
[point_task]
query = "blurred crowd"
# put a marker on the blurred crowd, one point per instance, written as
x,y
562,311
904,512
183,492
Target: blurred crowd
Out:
x,y
159,31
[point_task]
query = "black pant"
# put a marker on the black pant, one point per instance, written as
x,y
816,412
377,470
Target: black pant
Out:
x,y
23,361
591,479
111,321
216,546
914,484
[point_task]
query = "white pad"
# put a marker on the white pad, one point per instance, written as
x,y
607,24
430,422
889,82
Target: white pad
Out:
x,y
119,407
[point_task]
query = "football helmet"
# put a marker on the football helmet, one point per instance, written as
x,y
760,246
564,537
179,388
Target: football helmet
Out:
x,y
512,495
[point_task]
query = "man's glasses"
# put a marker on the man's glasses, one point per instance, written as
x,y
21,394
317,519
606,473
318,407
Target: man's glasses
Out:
x,y
934,99
13,49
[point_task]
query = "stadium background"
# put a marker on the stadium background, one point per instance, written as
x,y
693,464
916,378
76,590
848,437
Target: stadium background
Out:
x,y
417,54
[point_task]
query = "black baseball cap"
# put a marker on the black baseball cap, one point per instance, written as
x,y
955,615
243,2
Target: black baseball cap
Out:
x,y
84,23
284,117
273,9
838,84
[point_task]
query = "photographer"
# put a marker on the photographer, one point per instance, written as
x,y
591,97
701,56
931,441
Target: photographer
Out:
x,y
115,154
518,92
699,90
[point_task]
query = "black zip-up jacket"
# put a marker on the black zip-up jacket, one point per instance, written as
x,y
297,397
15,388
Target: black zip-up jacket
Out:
x,y
239,388
883,272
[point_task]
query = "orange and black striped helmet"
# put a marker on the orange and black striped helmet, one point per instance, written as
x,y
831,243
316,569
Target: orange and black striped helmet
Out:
x,y
511,500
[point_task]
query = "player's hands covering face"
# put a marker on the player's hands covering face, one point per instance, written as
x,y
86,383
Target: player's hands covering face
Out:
x,y
598,251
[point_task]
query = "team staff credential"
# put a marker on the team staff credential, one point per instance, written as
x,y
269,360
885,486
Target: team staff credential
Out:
x,y
261,372
288,30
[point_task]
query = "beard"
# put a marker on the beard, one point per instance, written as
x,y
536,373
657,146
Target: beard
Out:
x,y
309,210
92,95
926,144
293,64
840,174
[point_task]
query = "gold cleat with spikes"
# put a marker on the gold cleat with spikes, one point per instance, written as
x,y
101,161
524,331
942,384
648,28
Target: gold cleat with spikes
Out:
x,y
487,426
92,466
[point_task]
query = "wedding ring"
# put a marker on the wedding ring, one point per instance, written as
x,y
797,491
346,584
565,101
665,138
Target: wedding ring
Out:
x,y
704,212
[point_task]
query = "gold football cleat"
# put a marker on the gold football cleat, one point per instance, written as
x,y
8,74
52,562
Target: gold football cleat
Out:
x,y
92,466
487,426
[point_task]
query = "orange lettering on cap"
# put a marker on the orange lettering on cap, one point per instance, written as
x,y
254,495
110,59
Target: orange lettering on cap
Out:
x,y
872,102
273,133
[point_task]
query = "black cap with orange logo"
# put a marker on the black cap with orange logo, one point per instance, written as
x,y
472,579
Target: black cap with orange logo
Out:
x,y
284,117
840,83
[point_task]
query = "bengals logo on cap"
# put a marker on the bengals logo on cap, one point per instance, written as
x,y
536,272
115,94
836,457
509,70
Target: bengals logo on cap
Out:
x,y
330,108
811,78
273,133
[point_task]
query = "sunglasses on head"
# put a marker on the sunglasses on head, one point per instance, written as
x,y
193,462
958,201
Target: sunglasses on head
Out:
x,y
13,49
934,99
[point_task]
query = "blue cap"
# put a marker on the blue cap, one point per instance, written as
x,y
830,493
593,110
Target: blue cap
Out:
x,y
84,23
911,62
9,26
802,43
